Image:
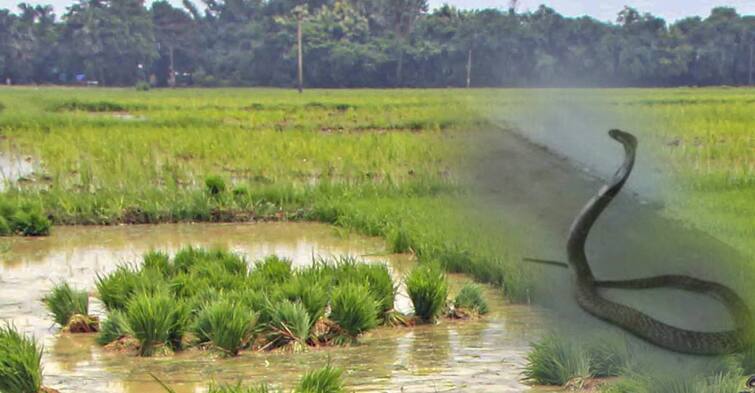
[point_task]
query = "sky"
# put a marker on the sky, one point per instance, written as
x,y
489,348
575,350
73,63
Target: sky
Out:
x,y
605,10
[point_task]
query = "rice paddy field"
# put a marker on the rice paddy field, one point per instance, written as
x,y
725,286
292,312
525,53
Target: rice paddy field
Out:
x,y
392,164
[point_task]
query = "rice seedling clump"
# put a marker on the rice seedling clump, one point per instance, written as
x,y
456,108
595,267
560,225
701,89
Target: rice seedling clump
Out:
x,y
64,302
470,298
216,299
428,289
20,362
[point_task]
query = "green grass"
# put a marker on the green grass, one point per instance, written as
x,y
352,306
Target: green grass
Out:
x,y
290,323
63,302
153,319
20,362
427,287
324,380
228,325
113,328
470,298
555,361
354,309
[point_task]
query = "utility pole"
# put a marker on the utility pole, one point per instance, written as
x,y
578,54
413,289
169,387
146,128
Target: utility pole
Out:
x,y
752,50
299,17
469,68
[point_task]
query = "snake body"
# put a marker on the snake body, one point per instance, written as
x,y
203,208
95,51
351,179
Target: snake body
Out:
x,y
632,320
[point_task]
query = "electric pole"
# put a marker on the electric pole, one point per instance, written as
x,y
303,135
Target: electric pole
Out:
x,y
469,69
299,11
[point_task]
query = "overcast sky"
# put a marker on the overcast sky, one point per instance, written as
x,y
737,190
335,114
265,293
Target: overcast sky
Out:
x,y
601,9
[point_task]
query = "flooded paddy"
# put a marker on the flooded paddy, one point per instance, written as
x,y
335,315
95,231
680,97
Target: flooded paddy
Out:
x,y
480,356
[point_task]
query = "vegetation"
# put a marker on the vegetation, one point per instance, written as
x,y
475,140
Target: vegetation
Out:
x,y
555,361
427,287
20,362
27,219
212,299
64,302
470,298
377,43
324,380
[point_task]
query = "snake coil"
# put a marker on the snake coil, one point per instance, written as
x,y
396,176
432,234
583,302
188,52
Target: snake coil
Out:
x,y
632,320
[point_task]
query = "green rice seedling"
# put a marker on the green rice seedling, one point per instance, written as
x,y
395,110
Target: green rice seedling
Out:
x,y
116,288
63,302
188,285
218,277
152,319
180,323
609,356
311,294
470,298
31,223
113,328
5,228
381,286
187,257
20,362
556,360
354,309
273,270
324,380
427,287
226,325
289,323
158,261
214,184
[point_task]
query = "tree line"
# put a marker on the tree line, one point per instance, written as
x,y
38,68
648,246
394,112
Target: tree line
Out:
x,y
366,43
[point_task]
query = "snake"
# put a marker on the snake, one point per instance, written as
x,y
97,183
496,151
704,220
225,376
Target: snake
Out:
x,y
632,320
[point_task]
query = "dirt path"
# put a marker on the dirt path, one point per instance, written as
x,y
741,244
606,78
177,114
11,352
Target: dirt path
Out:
x,y
538,194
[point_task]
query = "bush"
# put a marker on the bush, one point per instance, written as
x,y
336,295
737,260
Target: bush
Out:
x,y
353,309
470,298
142,86
325,380
215,185
555,361
63,302
20,363
154,320
290,322
31,223
427,288
113,328
226,325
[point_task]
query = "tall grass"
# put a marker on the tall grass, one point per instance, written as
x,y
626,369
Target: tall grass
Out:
x,y
153,318
555,361
324,380
290,323
427,287
20,362
63,302
113,328
228,325
470,298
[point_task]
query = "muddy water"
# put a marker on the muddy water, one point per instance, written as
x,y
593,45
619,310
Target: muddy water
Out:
x,y
472,356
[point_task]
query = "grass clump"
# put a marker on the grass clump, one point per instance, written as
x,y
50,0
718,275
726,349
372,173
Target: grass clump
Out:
x,y
31,222
154,320
427,287
113,328
555,361
470,298
324,380
227,325
64,302
354,309
20,362
214,184
290,323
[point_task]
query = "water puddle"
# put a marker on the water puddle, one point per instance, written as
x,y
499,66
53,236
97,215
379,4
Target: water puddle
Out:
x,y
480,356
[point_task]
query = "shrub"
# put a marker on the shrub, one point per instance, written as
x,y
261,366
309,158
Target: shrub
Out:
x,y
153,319
214,184
113,328
290,322
20,362
324,380
555,361
31,223
353,309
227,325
427,288
63,302
470,298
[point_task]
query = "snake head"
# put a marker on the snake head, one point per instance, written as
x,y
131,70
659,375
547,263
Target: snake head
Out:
x,y
625,138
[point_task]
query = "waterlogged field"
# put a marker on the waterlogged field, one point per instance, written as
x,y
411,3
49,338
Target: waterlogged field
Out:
x,y
394,164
